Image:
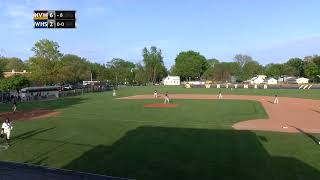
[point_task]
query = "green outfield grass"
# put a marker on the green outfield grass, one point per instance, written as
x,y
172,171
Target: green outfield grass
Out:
x,y
99,134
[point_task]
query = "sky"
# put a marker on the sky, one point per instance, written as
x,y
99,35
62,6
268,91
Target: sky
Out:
x,y
271,31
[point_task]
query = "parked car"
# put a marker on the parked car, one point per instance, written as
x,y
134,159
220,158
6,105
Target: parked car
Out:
x,y
68,87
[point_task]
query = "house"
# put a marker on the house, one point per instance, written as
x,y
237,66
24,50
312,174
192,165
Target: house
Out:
x,y
271,81
257,80
171,81
293,80
13,72
287,80
302,80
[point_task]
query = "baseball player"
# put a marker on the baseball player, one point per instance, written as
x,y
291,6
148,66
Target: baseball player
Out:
x,y
166,98
14,106
6,130
276,100
220,94
114,92
155,94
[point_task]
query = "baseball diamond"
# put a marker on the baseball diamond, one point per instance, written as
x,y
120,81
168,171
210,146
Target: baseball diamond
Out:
x,y
159,90
200,137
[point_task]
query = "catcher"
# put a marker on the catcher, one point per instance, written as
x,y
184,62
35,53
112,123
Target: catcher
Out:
x,y
6,130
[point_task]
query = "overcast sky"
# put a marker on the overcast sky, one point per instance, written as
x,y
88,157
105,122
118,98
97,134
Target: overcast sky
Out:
x,y
268,30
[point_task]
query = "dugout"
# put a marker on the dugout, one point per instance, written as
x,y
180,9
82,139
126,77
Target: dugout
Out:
x,y
36,93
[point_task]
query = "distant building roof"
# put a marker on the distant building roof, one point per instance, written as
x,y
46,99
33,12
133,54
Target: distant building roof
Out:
x,y
303,78
13,72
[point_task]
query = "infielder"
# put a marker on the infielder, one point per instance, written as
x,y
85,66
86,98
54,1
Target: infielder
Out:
x,y
166,98
276,100
6,130
220,94
155,94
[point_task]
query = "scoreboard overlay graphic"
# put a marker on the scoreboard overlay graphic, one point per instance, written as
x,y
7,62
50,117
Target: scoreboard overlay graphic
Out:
x,y
54,19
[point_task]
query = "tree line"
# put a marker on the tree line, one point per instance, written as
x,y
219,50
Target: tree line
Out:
x,y
192,65
49,66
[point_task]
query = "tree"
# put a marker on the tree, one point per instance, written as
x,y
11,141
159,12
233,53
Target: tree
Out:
x,y
316,60
190,64
99,71
223,71
9,64
1,72
47,49
212,62
297,64
250,69
73,69
242,59
311,70
45,64
153,62
14,83
121,71
140,74
208,74
277,70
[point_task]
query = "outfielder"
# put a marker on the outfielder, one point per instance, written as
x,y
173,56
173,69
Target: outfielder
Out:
x,y
114,92
166,98
220,94
155,94
6,130
276,100
14,106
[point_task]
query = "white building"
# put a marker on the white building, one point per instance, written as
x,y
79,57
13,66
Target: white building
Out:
x,y
272,81
197,82
13,72
293,80
171,81
302,80
257,80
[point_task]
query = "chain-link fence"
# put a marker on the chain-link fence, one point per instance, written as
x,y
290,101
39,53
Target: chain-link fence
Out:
x,y
37,96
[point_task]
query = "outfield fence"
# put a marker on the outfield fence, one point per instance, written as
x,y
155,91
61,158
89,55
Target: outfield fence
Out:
x,y
257,86
7,98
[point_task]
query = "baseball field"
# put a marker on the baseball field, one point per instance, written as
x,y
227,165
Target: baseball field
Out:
x,y
199,138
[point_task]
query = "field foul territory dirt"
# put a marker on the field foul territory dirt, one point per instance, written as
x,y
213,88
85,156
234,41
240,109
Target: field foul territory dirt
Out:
x,y
28,115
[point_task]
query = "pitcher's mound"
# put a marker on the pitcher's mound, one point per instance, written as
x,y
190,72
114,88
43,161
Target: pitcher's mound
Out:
x,y
160,105
28,115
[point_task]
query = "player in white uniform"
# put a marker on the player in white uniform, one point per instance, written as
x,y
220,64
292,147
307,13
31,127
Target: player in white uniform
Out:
x,y
276,100
6,130
220,95
166,98
155,94
114,92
